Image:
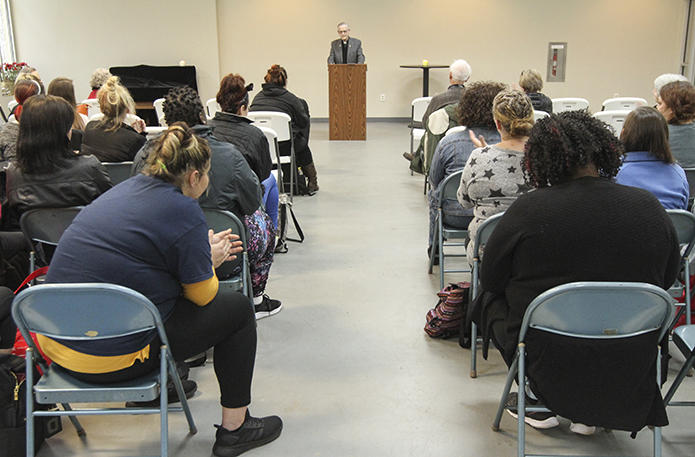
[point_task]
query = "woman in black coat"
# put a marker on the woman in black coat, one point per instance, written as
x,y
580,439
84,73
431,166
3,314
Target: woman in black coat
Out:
x,y
276,97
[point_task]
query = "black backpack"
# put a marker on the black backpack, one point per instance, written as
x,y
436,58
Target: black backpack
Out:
x,y
13,409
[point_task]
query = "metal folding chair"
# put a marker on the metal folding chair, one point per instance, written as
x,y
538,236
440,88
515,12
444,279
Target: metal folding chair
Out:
x,y
444,232
219,220
482,235
684,222
589,310
118,171
684,339
93,312
43,227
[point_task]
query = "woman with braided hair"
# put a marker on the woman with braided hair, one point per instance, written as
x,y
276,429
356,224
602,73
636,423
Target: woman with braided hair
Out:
x,y
493,176
578,225
149,234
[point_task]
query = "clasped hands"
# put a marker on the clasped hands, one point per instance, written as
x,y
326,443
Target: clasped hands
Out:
x,y
223,246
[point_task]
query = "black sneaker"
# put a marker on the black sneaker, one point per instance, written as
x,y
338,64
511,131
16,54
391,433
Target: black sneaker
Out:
x,y
267,307
408,156
254,432
189,388
536,419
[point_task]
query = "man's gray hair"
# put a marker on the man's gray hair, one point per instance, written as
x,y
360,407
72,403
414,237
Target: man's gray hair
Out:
x,y
664,79
344,23
460,70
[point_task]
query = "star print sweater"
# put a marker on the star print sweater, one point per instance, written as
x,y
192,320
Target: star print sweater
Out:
x,y
492,179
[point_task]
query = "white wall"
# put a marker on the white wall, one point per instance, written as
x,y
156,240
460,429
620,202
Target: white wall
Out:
x,y
72,38
614,46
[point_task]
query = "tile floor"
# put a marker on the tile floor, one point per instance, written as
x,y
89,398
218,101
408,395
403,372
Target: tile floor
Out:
x,y
346,363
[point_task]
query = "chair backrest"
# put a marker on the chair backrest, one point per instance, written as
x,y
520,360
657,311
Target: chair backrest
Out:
x,y
457,129
684,221
84,312
690,175
281,123
623,103
159,109
212,107
600,310
538,114
92,107
449,187
118,171
615,119
485,230
419,106
219,220
11,104
153,131
46,225
569,104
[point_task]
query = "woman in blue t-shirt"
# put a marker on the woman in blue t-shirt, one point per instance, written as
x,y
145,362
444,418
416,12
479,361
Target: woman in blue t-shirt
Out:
x,y
149,234
649,163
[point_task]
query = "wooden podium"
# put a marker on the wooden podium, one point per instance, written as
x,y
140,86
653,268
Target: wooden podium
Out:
x,y
347,101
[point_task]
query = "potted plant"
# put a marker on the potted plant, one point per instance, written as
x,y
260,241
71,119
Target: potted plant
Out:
x,y
8,75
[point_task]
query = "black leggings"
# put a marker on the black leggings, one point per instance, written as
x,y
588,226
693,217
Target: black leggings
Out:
x,y
227,323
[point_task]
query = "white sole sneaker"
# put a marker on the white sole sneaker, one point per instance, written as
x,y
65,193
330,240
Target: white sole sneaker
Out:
x,y
262,314
581,429
546,420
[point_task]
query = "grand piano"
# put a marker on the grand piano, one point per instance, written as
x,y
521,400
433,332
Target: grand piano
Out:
x,y
147,83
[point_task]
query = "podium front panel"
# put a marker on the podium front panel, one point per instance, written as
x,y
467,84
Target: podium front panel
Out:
x,y
347,100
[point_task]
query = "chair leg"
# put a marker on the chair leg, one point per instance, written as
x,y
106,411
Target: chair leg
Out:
x,y
29,404
679,379
440,235
505,394
164,400
173,373
435,246
687,291
474,350
521,403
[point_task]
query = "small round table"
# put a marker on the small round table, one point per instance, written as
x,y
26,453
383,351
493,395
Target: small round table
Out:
x,y
425,76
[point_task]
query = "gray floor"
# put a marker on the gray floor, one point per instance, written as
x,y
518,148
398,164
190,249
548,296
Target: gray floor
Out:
x,y
346,363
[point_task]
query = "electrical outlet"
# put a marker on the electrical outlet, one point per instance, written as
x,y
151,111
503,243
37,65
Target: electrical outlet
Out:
x,y
383,97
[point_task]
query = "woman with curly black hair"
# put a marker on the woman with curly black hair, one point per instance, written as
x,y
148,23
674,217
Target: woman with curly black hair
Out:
x,y
578,225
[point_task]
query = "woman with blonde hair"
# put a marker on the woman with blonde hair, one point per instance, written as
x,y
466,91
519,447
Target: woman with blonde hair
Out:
x,y
149,234
109,138
493,176
63,88
531,82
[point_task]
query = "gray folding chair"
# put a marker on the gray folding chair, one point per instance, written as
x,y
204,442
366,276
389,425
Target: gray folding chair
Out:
x,y
219,220
118,171
690,175
93,312
684,222
684,339
589,310
444,232
281,124
43,227
482,235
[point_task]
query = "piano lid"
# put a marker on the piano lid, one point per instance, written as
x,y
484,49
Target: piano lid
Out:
x,y
147,83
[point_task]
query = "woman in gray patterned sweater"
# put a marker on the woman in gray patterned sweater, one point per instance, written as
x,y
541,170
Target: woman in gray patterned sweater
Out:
x,y
493,176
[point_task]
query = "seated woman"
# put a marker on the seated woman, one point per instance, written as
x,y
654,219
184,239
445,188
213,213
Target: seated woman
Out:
x,y
232,125
649,163
110,139
532,84
98,78
276,97
47,173
233,187
493,176
577,226
156,216
63,88
453,151
10,131
677,103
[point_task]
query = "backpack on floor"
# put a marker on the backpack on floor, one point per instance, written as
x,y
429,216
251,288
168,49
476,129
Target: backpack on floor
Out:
x,y
13,410
445,319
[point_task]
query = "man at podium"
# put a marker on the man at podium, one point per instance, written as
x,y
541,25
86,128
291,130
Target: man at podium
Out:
x,y
345,49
